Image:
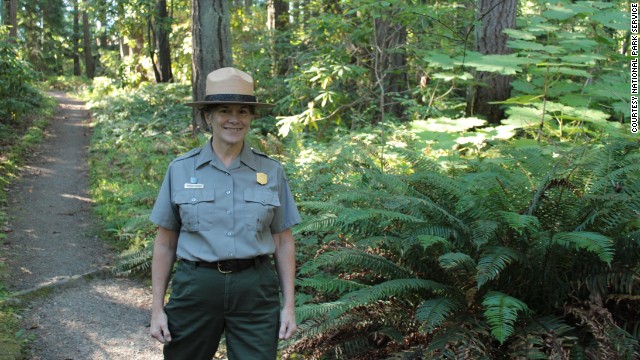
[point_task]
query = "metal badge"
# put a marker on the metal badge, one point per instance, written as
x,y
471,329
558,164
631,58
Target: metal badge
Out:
x,y
262,178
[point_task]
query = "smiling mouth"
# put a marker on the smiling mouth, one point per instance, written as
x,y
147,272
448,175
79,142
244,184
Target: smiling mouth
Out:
x,y
233,129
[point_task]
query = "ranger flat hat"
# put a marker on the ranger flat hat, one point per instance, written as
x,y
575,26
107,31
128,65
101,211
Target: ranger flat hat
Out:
x,y
228,86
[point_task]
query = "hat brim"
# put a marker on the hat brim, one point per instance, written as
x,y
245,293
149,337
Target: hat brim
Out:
x,y
205,104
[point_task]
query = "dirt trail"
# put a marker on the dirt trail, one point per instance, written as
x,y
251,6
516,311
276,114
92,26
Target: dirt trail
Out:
x,y
52,241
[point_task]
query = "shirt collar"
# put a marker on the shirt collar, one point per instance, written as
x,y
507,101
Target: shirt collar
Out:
x,y
248,157
207,155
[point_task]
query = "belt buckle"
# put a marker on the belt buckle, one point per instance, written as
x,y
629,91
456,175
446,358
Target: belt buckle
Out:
x,y
222,271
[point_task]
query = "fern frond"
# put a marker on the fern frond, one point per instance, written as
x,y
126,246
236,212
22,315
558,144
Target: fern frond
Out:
x,y
434,312
397,287
493,261
377,241
604,281
322,222
519,222
321,310
613,342
445,232
322,206
619,175
135,222
501,312
426,241
583,240
548,337
348,349
482,231
464,338
456,261
353,258
436,183
329,285
391,182
555,325
133,261
350,215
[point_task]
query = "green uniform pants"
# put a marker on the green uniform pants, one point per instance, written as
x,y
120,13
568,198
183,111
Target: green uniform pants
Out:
x,y
205,303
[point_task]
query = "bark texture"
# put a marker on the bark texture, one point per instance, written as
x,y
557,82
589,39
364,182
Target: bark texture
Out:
x,y
210,28
495,16
89,63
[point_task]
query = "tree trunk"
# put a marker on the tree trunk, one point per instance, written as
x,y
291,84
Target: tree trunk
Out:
x,y
88,57
390,62
13,19
277,21
495,16
162,30
210,29
75,39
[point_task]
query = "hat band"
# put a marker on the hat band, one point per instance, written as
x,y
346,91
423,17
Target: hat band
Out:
x,y
231,98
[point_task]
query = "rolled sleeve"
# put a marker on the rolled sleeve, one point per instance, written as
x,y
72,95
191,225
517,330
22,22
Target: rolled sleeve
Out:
x,y
165,213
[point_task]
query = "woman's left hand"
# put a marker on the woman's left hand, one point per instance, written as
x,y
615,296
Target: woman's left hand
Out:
x,y
287,324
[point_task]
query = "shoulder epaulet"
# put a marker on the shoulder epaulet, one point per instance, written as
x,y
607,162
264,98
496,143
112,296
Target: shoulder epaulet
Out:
x,y
261,154
189,154
258,152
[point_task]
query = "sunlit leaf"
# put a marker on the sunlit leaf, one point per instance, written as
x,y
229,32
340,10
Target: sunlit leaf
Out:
x,y
501,64
438,59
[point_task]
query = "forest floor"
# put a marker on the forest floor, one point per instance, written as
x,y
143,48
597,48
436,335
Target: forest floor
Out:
x,y
57,265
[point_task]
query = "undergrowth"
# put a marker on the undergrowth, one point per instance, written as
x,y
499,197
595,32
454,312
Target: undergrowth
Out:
x,y
526,246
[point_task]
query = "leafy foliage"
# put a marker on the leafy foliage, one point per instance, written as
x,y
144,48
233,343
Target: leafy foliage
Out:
x,y
476,253
17,92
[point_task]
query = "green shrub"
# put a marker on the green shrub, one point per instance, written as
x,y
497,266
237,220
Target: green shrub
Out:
x,y
525,251
17,94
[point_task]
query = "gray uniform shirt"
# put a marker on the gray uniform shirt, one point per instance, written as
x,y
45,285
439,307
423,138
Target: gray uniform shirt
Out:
x,y
224,213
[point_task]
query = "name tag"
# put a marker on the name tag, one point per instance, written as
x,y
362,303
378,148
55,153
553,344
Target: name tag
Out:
x,y
193,186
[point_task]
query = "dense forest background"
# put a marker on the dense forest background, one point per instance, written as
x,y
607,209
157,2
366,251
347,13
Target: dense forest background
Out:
x,y
466,170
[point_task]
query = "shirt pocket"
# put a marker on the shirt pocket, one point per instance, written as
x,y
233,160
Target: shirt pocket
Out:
x,y
260,205
196,209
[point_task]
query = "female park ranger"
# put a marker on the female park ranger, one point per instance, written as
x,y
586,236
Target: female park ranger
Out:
x,y
222,212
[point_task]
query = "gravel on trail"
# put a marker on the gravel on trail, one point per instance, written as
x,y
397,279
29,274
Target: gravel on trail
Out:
x,y
51,241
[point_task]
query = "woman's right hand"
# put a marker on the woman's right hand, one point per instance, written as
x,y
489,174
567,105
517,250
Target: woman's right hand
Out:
x,y
159,327
164,253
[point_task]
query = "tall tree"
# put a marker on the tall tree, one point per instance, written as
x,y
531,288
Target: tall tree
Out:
x,y
75,39
88,56
277,23
211,36
494,16
161,27
13,19
43,29
390,61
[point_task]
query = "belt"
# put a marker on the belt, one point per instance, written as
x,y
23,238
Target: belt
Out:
x,y
231,265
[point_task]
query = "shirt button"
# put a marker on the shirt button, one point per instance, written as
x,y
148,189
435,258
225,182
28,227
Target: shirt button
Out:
x,y
193,199
228,212
228,192
230,254
229,233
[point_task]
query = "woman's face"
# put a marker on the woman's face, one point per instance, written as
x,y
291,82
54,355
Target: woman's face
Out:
x,y
229,123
